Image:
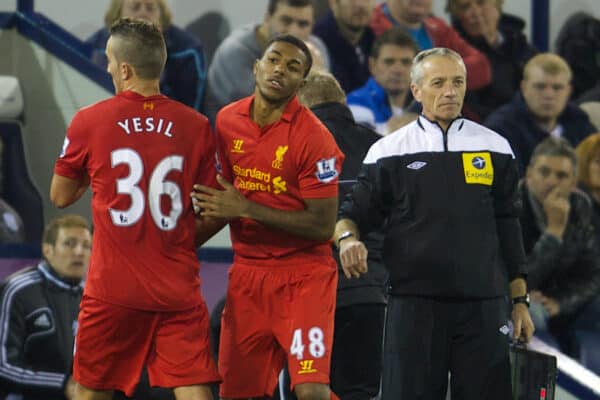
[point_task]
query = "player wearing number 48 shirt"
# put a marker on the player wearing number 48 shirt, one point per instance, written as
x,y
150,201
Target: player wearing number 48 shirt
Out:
x,y
279,175
141,153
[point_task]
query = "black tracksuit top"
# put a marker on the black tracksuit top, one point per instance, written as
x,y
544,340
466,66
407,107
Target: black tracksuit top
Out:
x,y
449,205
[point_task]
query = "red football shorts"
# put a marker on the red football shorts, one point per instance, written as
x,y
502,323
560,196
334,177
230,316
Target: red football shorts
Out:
x,y
113,344
272,314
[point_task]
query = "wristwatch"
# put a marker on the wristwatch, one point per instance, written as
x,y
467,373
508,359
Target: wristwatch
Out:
x,y
521,299
344,235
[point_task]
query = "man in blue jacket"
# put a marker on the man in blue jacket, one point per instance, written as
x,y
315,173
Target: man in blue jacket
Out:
x,y
39,314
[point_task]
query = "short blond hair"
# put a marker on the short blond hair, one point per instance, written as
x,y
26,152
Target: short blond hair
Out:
x,y
586,151
320,87
114,13
550,63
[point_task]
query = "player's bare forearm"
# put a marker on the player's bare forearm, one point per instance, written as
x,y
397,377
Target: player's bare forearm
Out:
x,y
66,191
315,222
207,227
345,225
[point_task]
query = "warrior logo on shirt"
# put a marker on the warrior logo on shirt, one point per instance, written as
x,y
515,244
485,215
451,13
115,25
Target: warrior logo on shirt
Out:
x,y
326,171
306,367
237,146
148,105
279,153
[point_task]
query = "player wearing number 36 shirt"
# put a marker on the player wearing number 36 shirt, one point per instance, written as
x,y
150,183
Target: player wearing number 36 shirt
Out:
x,y
141,153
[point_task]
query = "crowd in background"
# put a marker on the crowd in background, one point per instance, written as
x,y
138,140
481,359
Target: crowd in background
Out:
x,y
547,105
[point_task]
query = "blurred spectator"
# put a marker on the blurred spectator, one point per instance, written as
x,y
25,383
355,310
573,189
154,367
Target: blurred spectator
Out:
x,y
588,175
429,31
39,314
319,62
360,306
387,92
399,121
578,42
211,28
541,109
230,76
563,260
499,36
184,76
348,37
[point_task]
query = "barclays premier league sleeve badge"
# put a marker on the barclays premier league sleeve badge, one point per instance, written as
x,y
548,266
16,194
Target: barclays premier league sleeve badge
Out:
x,y
326,171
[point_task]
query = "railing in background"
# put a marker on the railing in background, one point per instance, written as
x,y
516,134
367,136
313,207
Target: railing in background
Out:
x,y
56,40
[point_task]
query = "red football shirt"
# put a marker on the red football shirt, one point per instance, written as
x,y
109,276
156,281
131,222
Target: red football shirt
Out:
x,y
278,166
143,155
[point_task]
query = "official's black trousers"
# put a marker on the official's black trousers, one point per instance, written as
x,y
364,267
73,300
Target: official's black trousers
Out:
x,y
427,338
357,351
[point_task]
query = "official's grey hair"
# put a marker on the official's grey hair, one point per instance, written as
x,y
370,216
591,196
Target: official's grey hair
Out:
x,y
416,72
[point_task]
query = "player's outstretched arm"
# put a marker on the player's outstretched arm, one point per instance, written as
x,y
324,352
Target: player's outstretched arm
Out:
x,y
66,191
315,222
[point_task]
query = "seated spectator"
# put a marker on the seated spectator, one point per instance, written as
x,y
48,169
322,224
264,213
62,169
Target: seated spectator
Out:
x,y
578,43
39,314
387,92
541,109
429,31
360,306
184,76
230,76
558,236
499,36
588,175
346,33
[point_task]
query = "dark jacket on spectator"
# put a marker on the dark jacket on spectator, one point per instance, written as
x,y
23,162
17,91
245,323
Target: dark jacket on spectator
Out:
x,y
38,319
507,60
515,123
184,76
355,140
349,64
567,270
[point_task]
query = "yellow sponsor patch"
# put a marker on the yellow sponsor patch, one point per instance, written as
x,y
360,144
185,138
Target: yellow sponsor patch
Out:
x,y
478,168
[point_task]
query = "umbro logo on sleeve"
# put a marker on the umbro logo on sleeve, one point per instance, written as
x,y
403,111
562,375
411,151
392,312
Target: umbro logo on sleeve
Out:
x,y
416,165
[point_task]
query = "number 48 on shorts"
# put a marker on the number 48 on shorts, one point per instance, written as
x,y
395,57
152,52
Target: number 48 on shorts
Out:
x,y
316,347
